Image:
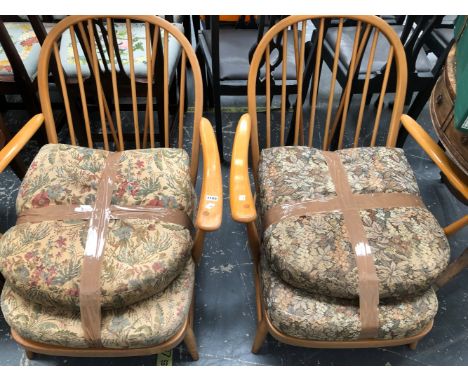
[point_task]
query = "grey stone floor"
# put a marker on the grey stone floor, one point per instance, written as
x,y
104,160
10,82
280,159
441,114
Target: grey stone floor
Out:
x,y
225,306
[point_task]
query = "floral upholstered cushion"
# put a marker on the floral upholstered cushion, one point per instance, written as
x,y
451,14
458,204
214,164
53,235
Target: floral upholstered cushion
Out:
x,y
27,46
313,252
139,51
147,323
42,261
315,317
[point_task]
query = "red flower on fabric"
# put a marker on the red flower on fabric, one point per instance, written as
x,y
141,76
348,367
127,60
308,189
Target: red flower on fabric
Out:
x,y
140,163
29,41
73,292
122,188
41,200
29,255
133,186
157,267
61,242
155,203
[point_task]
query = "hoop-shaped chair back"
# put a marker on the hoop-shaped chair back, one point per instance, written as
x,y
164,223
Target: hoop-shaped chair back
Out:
x,y
101,78
320,115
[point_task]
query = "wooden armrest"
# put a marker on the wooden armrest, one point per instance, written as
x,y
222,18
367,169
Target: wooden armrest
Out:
x,y
12,148
210,210
241,199
454,175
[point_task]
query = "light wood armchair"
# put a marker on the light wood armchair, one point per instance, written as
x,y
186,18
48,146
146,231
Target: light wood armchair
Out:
x,y
324,125
115,137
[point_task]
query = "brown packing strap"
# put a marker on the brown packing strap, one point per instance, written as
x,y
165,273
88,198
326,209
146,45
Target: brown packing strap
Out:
x,y
349,205
83,212
368,282
90,280
360,202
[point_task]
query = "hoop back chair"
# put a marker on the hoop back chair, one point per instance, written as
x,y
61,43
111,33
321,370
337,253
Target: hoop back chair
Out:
x,y
225,53
175,317
295,270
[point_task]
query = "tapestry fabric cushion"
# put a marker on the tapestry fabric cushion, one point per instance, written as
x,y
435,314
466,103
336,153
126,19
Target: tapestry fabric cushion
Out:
x,y
42,261
316,317
149,322
313,252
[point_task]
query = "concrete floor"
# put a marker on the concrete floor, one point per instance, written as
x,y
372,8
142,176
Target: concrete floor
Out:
x,y
225,318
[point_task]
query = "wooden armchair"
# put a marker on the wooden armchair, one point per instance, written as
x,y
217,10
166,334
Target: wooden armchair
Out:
x,y
115,266
334,267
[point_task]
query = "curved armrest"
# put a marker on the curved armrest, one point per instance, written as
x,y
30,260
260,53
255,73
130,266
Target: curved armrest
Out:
x,y
241,199
210,210
456,177
12,148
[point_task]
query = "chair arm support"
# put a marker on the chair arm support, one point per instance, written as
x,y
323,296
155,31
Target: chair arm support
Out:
x,y
16,144
210,209
241,199
456,177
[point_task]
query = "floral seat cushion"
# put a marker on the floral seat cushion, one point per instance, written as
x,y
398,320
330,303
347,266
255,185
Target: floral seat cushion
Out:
x,y
147,323
313,252
42,261
23,37
316,317
139,51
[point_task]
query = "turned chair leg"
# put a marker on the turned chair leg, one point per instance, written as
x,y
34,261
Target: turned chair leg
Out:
x,y
29,354
191,343
413,345
262,331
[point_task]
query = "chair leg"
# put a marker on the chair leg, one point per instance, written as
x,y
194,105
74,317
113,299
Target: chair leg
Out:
x,y
191,343
262,331
453,269
413,345
29,354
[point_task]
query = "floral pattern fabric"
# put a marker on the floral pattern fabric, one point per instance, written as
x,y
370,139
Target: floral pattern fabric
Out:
x,y
42,261
139,51
315,317
147,323
313,252
27,45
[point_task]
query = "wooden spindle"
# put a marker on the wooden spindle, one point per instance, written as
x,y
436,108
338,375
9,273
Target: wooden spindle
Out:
x,y
97,78
132,83
149,72
349,84
66,100
318,59
299,85
332,85
110,36
153,61
283,85
79,75
382,96
366,87
182,99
